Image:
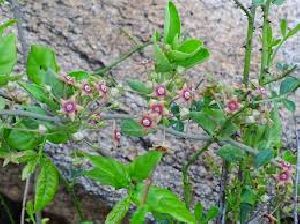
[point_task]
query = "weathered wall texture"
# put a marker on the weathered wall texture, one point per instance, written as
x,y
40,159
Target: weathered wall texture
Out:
x,y
89,34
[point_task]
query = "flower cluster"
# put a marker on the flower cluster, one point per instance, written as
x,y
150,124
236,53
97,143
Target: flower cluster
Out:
x,y
285,174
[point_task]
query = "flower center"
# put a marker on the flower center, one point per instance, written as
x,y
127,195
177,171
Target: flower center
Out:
x,y
146,122
69,107
186,95
87,88
103,88
157,109
160,91
284,176
233,105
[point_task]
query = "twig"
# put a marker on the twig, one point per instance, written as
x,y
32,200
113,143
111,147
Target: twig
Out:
x,y
249,42
285,74
102,71
23,113
186,183
27,183
242,7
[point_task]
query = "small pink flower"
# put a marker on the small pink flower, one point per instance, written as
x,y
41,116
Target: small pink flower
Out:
x,y
285,166
160,91
86,88
147,121
102,88
68,79
283,178
70,108
117,136
186,93
232,106
157,107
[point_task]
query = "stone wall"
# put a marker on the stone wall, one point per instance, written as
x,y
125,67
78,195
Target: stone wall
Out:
x,y
90,34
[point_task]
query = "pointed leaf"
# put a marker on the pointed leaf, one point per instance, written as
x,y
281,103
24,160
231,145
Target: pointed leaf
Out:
x,y
262,158
139,87
118,212
143,165
46,187
172,23
132,128
283,27
289,85
231,153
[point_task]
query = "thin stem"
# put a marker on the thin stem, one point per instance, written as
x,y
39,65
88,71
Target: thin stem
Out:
x,y
264,50
7,210
242,7
29,114
102,71
186,183
285,74
249,43
27,183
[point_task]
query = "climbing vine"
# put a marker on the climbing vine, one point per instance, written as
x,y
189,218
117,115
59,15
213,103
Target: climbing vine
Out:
x,y
47,105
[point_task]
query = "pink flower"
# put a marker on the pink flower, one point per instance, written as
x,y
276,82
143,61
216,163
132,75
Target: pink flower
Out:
x,y
86,88
156,107
70,108
186,93
285,166
283,178
232,106
160,91
67,79
102,88
147,121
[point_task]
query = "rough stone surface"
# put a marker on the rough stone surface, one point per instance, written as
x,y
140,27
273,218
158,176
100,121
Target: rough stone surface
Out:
x,y
90,34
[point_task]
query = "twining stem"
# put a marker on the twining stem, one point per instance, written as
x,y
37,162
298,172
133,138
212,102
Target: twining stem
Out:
x,y
249,43
186,183
264,39
242,7
27,183
285,74
138,48
7,210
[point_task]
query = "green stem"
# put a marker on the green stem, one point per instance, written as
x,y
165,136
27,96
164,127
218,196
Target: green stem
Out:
x,y
29,114
264,50
138,48
186,183
249,43
285,74
7,210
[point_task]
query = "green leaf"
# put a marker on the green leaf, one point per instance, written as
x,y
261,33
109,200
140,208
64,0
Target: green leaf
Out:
x,y
231,153
201,56
289,85
7,24
248,196
177,125
139,87
212,213
290,105
17,157
8,57
283,27
59,89
40,59
118,212
289,157
40,94
162,63
132,128
172,23
79,75
205,122
198,211
187,50
108,171
245,212
22,140
47,184
143,165
139,215
2,103
262,158
164,201
294,31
